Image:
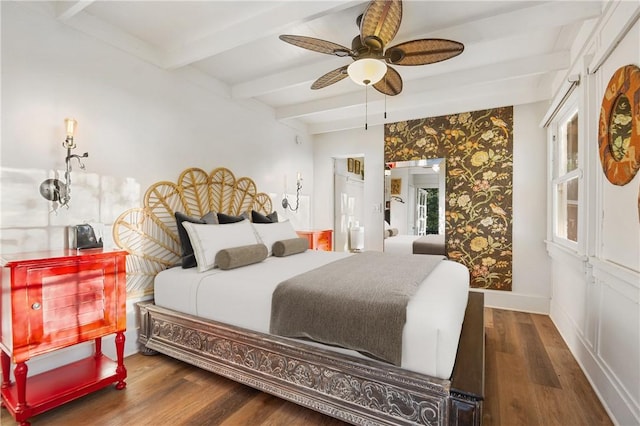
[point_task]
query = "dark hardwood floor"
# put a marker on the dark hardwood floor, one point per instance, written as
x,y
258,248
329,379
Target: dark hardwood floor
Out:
x,y
531,379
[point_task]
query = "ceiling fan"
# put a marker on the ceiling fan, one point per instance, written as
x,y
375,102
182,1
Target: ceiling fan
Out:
x,y
378,26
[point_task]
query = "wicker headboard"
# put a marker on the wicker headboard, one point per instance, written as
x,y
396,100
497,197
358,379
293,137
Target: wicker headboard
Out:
x,y
149,233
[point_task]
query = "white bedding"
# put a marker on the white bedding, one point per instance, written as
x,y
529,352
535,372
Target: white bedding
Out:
x,y
242,297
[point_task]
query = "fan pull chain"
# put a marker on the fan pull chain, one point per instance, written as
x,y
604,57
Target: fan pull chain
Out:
x,y
385,106
366,107
385,96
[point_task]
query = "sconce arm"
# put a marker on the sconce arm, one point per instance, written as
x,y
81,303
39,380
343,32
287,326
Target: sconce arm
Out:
x,y
285,202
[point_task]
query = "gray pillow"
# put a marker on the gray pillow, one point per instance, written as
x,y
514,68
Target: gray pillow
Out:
x,y
211,218
236,257
227,218
257,217
288,247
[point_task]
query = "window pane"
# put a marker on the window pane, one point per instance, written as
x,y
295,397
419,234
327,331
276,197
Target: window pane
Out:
x,y
567,209
432,211
568,147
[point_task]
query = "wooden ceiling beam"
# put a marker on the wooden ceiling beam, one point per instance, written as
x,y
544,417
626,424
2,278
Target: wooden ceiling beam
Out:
x,y
252,29
480,75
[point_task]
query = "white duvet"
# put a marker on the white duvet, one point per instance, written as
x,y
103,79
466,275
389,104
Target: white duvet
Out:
x,y
242,297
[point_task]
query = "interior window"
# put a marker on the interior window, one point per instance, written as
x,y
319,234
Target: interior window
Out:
x,y
566,178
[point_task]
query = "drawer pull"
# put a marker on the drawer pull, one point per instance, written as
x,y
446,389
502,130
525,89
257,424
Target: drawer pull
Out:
x,y
36,306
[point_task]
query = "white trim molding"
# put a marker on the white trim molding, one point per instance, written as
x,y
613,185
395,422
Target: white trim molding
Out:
x,y
617,21
563,93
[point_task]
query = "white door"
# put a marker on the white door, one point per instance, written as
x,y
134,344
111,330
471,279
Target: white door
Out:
x,y
349,208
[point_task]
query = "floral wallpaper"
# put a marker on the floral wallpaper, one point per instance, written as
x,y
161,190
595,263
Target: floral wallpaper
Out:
x,y
478,147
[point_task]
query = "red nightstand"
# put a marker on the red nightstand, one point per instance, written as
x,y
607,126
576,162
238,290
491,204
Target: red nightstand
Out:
x,y
52,300
318,240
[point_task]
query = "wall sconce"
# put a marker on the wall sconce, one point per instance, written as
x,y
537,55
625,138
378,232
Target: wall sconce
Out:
x,y
285,202
54,189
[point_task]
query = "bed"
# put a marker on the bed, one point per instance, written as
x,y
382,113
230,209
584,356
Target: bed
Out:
x,y
424,244
342,383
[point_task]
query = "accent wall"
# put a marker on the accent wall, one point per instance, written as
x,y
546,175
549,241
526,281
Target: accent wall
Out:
x,y
478,147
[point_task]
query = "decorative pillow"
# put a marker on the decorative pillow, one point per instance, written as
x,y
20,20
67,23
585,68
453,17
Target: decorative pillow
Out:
x,y
257,217
188,259
211,217
241,256
208,240
269,233
288,247
227,218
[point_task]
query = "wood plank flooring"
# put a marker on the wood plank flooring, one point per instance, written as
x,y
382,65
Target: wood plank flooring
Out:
x,y
531,379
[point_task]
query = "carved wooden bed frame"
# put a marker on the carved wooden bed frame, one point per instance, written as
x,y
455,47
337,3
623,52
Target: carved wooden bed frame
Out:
x,y
358,391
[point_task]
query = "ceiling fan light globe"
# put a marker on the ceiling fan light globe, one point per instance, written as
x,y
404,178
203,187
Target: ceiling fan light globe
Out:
x,y
367,71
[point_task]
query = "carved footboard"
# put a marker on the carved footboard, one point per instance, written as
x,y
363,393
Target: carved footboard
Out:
x,y
358,391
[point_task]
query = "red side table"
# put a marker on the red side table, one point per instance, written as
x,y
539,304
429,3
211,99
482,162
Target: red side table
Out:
x,y
319,240
52,300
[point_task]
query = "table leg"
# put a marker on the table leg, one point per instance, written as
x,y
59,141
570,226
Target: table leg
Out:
x,y
98,347
121,371
20,372
6,374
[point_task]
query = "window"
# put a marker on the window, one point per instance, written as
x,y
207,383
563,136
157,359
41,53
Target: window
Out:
x,y
433,219
566,177
427,211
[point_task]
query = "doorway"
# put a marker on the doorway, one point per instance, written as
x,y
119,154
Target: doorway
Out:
x,y
348,184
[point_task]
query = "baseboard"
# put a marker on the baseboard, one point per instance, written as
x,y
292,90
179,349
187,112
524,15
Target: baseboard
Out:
x,y
615,402
516,301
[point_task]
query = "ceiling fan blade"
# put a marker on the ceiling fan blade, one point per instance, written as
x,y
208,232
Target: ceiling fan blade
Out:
x,y
380,23
330,78
317,45
423,51
391,83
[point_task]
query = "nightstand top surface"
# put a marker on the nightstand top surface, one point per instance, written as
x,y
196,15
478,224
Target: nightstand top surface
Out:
x,y
14,258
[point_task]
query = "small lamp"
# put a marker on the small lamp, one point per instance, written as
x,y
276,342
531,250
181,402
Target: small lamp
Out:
x,y
54,189
70,125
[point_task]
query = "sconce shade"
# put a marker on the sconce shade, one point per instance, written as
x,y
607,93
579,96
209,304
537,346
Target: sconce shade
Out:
x,y
70,125
367,71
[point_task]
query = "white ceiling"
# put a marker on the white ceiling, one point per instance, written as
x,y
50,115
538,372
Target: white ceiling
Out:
x,y
513,51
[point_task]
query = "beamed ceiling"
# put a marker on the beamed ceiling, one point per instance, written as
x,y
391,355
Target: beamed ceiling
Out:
x,y
514,52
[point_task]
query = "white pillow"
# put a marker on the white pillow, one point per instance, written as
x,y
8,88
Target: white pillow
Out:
x,y
269,233
207,240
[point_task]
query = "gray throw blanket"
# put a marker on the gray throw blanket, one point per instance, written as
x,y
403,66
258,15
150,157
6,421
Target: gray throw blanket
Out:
x,y
429,244
358,302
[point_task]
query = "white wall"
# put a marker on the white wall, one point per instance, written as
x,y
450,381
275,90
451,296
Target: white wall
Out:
x,y
596,289
351,143
531,283
139,124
